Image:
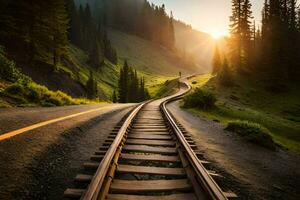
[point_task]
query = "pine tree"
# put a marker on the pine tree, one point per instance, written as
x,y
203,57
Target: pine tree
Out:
x,y
225,76
97,57
92,87
114,97
236,32
293,47
123,83
246,24
38,28
142,90
171,37
217,63
73,23
58,26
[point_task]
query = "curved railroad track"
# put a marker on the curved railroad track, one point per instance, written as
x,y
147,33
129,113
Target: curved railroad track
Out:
x,y
148,156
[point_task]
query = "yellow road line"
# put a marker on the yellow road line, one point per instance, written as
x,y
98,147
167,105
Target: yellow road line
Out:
x,y
38,125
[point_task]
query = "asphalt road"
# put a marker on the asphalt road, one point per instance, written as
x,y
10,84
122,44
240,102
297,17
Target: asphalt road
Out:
x,y
41,163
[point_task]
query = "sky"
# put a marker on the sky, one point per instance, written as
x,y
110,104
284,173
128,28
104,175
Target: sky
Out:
x,y
211,16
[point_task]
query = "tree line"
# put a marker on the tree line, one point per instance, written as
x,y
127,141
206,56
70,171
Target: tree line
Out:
x,y
38,33
271,50
35,30
131,87
88,34
136,17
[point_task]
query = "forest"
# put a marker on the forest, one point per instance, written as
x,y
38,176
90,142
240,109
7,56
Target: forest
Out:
x,y
38,35
270,52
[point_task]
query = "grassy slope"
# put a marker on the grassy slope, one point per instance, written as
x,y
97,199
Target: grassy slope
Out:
x,y
17,89
157,65
198,44
107,76
146,56
278,112
154,62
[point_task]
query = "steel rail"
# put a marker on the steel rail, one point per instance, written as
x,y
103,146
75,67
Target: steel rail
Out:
x,y
211,187
93,190
213,191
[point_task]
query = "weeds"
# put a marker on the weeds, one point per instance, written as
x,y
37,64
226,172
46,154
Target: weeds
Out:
x,y
201,99
252,132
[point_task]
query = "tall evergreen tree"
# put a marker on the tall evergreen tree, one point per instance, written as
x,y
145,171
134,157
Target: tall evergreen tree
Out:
x,y
225,76
236,32
131,88
37,28
114,97
92,87
123,83
58,26
217,62
247,33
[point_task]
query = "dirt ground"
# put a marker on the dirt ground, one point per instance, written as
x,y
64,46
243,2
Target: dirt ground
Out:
x,y
251,171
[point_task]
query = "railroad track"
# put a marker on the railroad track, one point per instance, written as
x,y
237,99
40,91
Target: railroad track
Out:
x,y
148,156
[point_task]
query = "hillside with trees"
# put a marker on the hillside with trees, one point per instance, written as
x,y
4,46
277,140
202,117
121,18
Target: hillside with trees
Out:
x,y
194,46
73,46
255,76
270,51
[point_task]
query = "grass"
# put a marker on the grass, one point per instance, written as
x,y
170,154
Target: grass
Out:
x,y
34,94
107,76
167,88
279,113
17,89
201,99
156,64
252,132
145,55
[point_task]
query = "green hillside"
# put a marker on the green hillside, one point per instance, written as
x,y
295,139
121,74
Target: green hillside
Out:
x,y
147,56
279,112
107,76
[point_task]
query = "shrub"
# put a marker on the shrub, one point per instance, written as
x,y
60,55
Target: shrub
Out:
x,y
37,92
15,89
9,72
55,101
33,95
252,132
201,99
66,99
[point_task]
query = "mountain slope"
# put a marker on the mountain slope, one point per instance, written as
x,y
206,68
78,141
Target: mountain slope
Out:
x,y
147,56
197,44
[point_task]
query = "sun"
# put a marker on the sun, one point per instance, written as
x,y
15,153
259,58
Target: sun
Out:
x,y
218,34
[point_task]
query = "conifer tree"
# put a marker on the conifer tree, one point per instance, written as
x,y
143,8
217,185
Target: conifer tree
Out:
x,y
236,32
142,90
225,76
114,97
58,26
217,63
96,57
247,34
92,87
123,83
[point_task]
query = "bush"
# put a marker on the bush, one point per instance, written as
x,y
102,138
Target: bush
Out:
x,y
15,89
65,98
252,132
55,101
9,72
201,99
